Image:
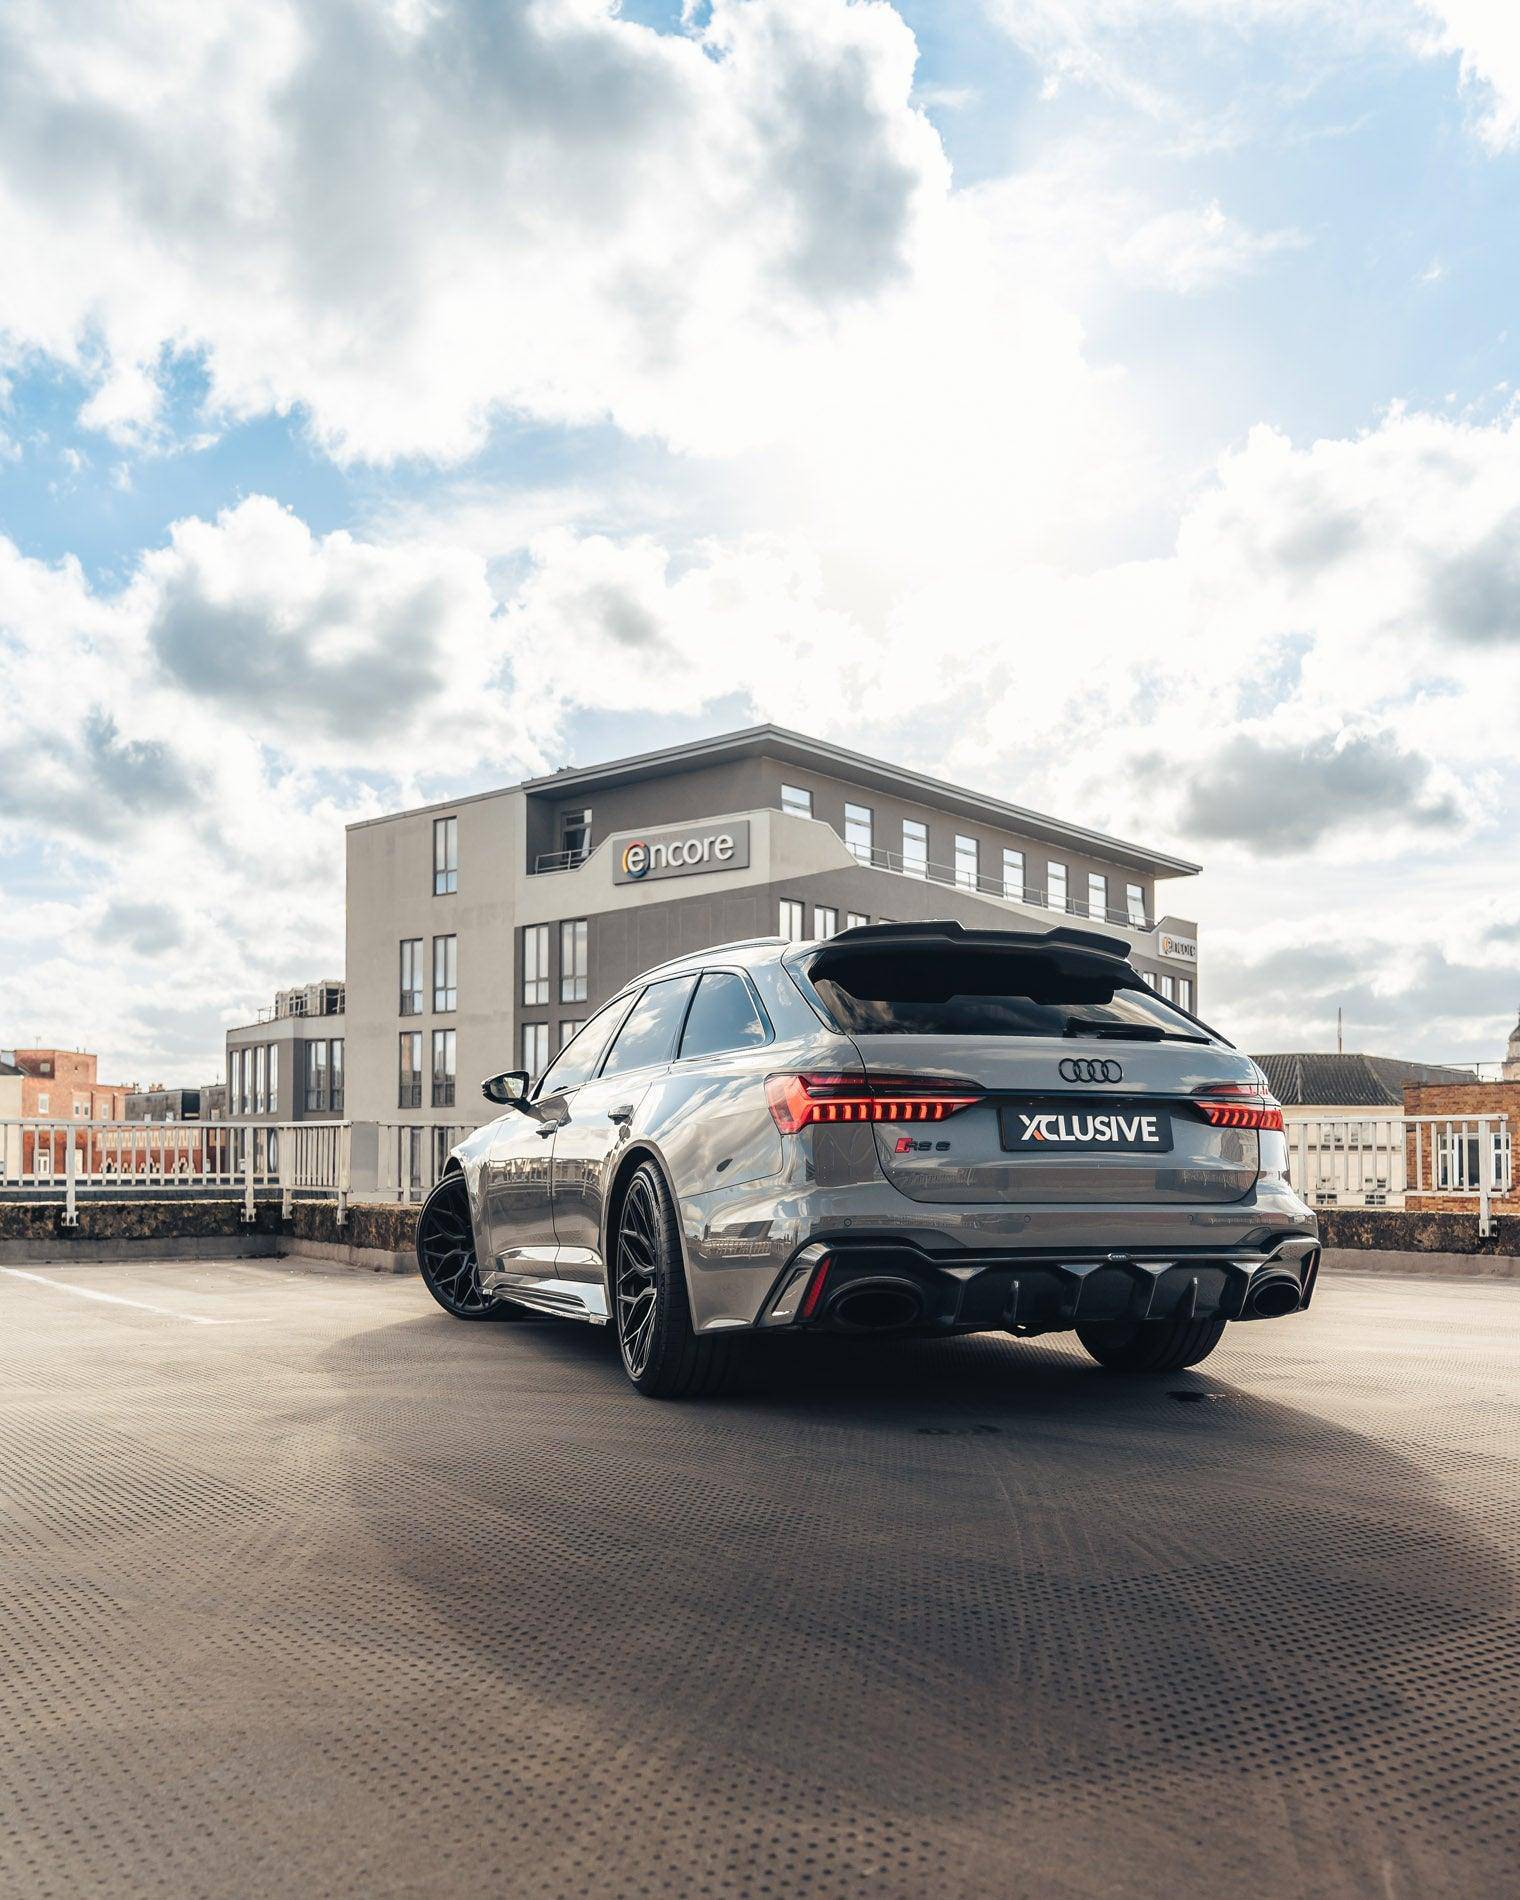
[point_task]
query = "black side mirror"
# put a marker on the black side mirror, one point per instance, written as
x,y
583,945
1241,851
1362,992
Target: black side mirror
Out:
x,y
507,1090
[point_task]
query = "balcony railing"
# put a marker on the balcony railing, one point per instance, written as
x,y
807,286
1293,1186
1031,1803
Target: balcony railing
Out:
x,y
560,860
988,886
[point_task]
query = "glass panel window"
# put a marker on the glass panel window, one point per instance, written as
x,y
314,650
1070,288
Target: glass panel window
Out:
x,y
1134,903
825,921
335,1072
535,1047
1055,886
966,862
1097,895
445,973
409,1086
915,850
443,1068
578,1059
1148,977
312,1100
274,1078
855,920
572,961
535,964
797,800
445,856
1185,991
1168,988
411,976
648,1037
789,924
722,1016
261,1079
575,832
1013,875
857,831
570,1028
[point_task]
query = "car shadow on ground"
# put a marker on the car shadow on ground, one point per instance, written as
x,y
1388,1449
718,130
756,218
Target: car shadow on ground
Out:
x,y
970,1581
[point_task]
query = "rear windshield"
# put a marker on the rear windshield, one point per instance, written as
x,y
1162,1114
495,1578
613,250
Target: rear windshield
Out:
x,y
935,991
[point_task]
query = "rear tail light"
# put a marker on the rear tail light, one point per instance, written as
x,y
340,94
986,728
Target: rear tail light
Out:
x,y
1240,1105
799,1099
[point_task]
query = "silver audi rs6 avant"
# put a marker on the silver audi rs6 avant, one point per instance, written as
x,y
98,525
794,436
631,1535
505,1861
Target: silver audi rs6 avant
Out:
x,y
907,1128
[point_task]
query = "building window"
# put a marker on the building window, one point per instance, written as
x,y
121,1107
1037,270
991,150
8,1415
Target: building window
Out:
x,y
409,1091
1168,988
445,973
1148,977
1055,886
445,856
316,1078
575,833
443,1068
411,976
1013,875
572,962
234,1079
535,1047
857,831
261,1080
966,862
334,1074
855,920
796,800
915,852
274,1078
44,1098
535,964
1134,903
571,1026
1185,991
789,923
1097,895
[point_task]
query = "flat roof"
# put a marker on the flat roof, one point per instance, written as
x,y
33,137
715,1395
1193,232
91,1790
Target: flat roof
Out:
x,y
797,748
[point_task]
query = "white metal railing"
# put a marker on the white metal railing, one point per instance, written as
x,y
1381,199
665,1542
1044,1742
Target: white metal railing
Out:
x,y
72,1160
1378,1160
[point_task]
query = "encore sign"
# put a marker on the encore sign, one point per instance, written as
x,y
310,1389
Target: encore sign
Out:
x,y
682,852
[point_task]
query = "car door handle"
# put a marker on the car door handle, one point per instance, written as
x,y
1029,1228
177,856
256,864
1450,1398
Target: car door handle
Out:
x,y
621,1115
548,1128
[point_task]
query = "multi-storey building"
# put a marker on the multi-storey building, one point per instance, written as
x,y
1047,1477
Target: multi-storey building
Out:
x,y
289,1065
161,1104
483,931
63,1085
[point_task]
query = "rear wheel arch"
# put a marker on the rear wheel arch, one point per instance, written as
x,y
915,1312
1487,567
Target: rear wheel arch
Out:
x,y
629,1161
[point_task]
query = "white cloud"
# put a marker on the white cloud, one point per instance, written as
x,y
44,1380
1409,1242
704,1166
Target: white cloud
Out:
x,y
402,222
1196,249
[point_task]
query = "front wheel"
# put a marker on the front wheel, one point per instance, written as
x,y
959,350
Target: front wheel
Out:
x,y
1151,1345
446,1254
663,1357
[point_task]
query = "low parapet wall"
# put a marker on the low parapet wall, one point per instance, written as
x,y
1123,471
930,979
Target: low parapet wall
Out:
x,y
381,1236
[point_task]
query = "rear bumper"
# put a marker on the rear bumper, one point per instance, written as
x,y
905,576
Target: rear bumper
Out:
x,y
883,1285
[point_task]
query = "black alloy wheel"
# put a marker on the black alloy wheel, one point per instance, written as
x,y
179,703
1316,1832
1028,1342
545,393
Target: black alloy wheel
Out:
x,y
446,1254
663,1357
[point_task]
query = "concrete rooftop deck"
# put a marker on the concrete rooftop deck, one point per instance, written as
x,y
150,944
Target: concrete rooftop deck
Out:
x,y
306,1588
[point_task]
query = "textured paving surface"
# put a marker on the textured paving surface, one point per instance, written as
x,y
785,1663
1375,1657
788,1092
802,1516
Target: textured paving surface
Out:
x,y
336,1595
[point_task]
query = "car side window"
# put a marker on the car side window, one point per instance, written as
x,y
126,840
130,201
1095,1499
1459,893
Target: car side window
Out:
x,y
649,1035
579,1057
722,1016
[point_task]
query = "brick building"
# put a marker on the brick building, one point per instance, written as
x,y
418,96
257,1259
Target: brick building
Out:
x,y
63,1085
1454,1154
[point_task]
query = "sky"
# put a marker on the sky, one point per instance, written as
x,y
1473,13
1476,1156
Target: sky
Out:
x,y
1113,405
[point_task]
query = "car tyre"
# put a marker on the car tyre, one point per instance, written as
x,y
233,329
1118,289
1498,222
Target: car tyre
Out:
x,y
1151,1345
662,1355
446,1255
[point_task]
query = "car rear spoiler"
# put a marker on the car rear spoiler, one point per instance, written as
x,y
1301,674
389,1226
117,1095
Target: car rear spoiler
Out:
x,y
951,933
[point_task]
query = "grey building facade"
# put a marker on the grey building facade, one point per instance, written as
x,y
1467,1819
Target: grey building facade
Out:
x,y
481,932
290,1065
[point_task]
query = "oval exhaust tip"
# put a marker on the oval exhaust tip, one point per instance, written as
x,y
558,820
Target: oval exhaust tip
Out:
x,y
875,1309
1275,1298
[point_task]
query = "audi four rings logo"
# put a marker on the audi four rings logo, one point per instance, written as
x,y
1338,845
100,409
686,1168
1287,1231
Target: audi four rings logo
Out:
x,y
1088,1069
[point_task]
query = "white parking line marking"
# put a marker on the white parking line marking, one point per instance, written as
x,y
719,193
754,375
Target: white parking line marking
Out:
x,y
113,1299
